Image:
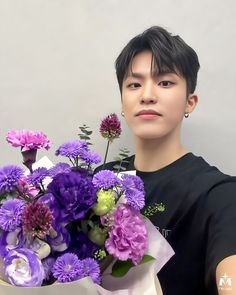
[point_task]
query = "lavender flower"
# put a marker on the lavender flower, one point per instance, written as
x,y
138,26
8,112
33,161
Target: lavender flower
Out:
x,y
67,268
72,149
74,192
90,268
9,177
59,168
110,127
38,176
133,188
23,268
105,179
90,157
28,140
128,238
11,214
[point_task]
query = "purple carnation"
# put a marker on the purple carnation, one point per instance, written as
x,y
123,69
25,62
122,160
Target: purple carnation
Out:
x,y
90,157
133,188
11,214
59,168
90,268
38,176
72,149
67,268
28,140
9,177
74,193
128,238
105,179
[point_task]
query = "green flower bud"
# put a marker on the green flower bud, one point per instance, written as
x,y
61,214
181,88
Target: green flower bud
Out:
x,y
105,202
97,235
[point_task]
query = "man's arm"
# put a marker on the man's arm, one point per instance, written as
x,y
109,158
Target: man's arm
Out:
x,y
226,276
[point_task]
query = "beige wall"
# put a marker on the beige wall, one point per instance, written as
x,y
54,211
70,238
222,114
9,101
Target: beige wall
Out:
x,y
56,68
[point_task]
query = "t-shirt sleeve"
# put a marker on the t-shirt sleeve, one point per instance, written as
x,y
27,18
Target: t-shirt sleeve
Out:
x,y
221,227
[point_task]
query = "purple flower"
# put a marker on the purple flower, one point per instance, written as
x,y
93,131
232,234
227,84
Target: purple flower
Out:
x,y
128,238
28,140
72,149
11,214
133,188
60,238
9,177
48,265
11,240
67,268
74,193
38,176
51,202
90,268
105,179
110,127
23,268
59,168
90,157
24,188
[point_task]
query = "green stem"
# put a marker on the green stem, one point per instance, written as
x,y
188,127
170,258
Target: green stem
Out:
x,y
105,158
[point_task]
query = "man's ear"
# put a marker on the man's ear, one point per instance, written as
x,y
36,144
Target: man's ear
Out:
x,y
191,102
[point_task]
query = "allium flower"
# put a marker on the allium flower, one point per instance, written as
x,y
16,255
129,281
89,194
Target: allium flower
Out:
x,y
67,268
90,157
128,238
72,149
11,214
38,176
105,179
23,268
74,192
9,177
37,219
28,140
105,202
59,168
110,127
133,188
90,268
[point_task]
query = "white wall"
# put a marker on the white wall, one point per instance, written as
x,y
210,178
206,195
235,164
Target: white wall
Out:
x,y
57,68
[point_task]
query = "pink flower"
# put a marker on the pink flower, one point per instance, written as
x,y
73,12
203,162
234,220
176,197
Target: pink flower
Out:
x,y
28,140
128,238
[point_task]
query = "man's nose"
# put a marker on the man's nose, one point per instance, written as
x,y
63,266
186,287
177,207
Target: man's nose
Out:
x,y
149,94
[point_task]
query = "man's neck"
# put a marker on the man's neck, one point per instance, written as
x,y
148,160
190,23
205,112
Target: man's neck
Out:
x,y
152,155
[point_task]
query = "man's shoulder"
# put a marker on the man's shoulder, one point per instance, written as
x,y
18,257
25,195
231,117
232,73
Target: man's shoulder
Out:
x,y
125,163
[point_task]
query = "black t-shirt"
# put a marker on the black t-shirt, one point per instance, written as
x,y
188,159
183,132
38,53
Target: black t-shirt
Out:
x,y
199,221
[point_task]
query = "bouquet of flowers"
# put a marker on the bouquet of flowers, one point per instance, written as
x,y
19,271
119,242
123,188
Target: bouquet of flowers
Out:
x,y
68,228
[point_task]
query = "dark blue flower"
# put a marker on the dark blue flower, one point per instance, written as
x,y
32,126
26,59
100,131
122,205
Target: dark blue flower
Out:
x,y
9,177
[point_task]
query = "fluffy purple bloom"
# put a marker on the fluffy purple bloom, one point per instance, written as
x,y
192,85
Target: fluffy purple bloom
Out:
x,y
28,140
90,157
105,179
90,268
128,238
110,127
23,268
67,268
74,193
9,177
11,214
59,168
72,149
133,188
38,176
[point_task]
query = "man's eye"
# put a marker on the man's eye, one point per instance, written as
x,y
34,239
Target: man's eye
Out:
x,y
166,83
133,85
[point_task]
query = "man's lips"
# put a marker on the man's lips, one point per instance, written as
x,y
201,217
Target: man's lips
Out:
x,y
148,113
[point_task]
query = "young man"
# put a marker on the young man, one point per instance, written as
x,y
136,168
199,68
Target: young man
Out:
x,y
157,74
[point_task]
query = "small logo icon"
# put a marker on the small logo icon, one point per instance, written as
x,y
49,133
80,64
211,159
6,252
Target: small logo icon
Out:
x,y
225,283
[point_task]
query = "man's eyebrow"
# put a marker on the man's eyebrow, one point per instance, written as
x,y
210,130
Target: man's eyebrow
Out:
x,y
154,74
135,75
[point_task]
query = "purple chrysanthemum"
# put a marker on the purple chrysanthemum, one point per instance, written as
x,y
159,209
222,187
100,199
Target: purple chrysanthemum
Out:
x,y
11,214
28,140
133,188
37,219
59,168
67,268
90,268
72,149
9,177
110,127
105,179
90,157
38,176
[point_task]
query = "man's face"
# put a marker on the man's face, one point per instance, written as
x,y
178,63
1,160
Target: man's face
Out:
x,y
154,105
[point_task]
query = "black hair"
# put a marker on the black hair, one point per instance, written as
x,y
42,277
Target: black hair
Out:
x,y
170,54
